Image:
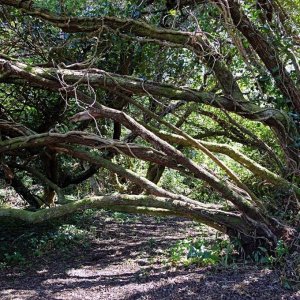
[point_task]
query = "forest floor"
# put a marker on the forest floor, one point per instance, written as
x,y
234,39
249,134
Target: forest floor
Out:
x,y
126,259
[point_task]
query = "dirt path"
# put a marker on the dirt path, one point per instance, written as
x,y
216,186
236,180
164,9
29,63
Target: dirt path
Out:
x,y
124,263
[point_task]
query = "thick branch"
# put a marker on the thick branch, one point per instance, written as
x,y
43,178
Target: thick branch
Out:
x,y
197,42
149,186
211,217
233,153
42,178
197,171
284,128
202,148
90,140
45,78
265,50
78,178
23,191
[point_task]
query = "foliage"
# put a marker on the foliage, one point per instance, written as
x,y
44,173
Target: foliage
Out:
x,y
122,218
21,246
202,252
195,103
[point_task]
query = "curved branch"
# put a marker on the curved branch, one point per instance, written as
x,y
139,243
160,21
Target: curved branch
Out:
x,y
44,77
195,41
198,171
55,139
23,191
90,140
149,186
11,71
198,42
210,217
233,153
42,178
265,50
78,178
201,147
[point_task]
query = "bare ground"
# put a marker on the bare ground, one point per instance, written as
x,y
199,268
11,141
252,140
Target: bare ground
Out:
x,y
125,261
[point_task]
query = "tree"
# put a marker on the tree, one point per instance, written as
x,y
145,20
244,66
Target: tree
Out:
x,y
98,83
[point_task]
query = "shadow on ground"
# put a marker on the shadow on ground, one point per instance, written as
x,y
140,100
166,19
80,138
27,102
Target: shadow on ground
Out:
x,y
123,263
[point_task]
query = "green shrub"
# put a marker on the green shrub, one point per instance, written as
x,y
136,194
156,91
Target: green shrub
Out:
x,y
201,252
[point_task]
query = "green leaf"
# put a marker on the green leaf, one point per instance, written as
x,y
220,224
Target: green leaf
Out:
x,y
173,12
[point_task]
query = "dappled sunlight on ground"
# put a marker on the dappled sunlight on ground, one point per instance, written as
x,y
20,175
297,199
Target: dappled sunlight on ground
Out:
x,y
124,263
